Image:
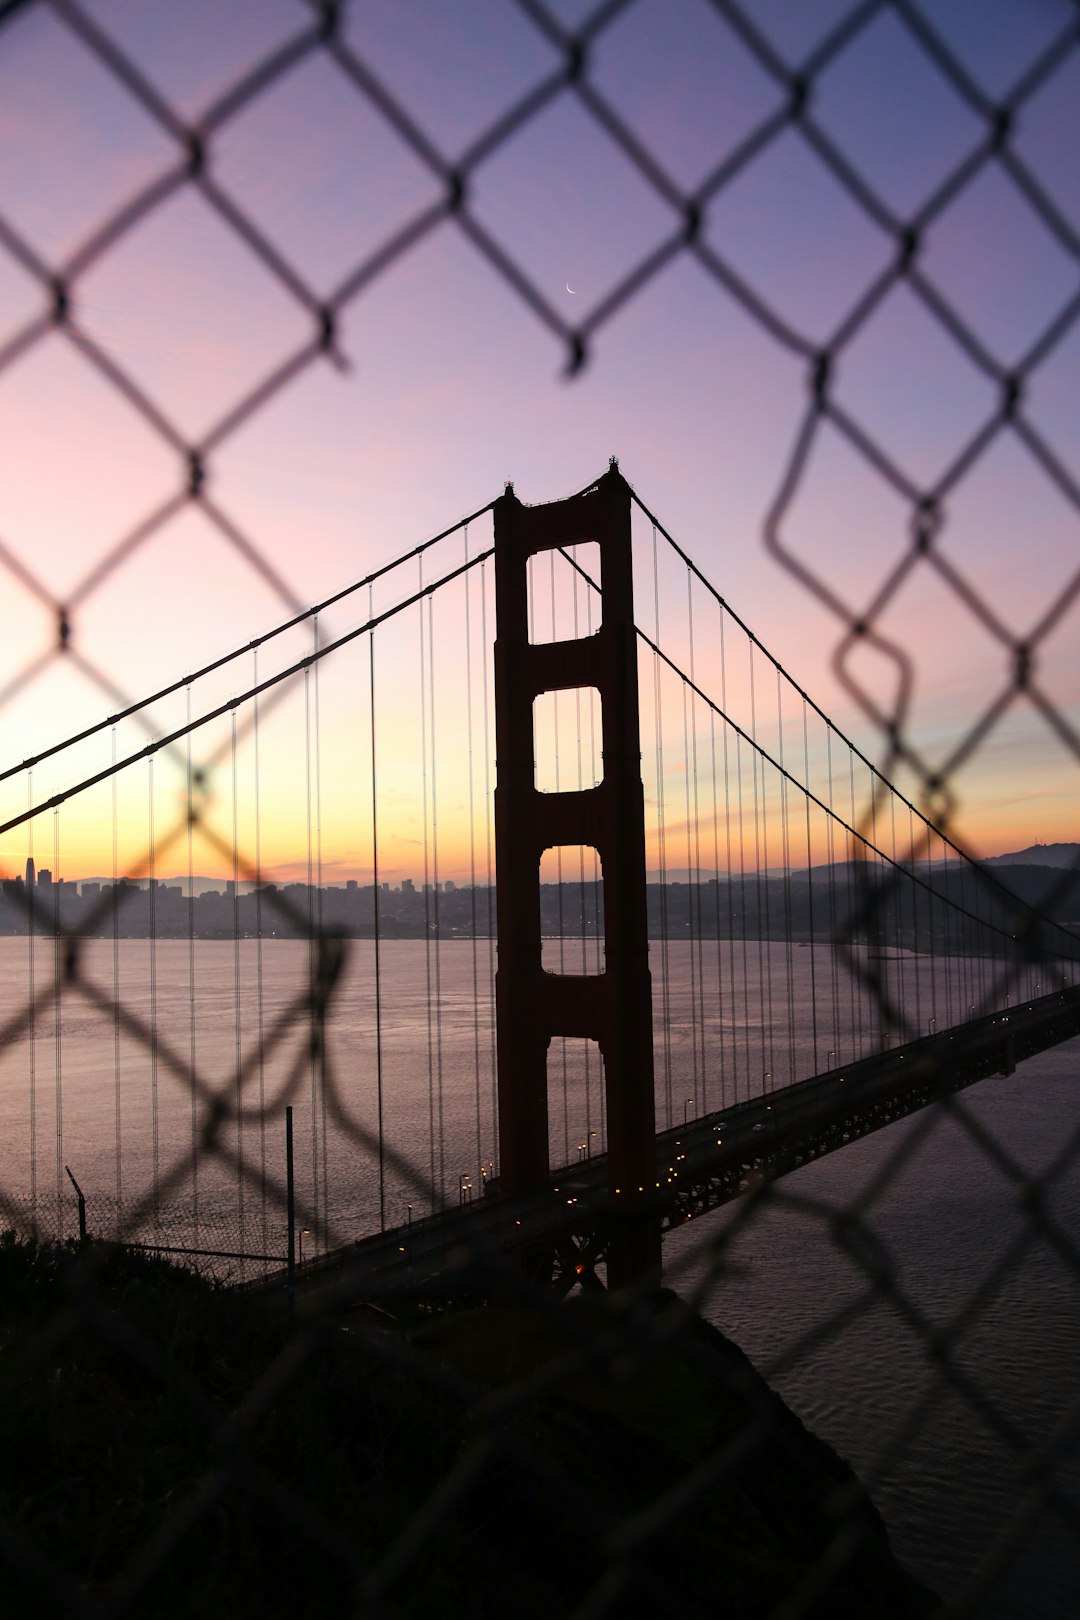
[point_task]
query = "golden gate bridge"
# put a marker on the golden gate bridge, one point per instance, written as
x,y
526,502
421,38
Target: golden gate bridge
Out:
x,y
694,937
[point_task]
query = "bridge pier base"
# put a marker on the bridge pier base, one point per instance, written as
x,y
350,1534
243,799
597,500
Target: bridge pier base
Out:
x,y
634,1246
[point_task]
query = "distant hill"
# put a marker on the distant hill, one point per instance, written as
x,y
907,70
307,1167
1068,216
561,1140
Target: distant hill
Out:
x,y
1038,855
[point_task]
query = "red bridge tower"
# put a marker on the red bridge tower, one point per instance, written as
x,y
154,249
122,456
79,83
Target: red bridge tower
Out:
x,y
613,1008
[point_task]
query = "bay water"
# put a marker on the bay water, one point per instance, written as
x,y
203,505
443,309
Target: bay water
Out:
x,y
118,1075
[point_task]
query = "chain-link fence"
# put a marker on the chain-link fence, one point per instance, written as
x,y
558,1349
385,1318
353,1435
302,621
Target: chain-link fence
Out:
x,y
174,1444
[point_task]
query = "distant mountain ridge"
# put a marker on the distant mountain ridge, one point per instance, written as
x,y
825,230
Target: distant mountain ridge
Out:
x,y
1059,855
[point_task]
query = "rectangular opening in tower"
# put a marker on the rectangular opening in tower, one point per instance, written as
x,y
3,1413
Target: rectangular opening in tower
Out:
x,y
567,740
577,1119
572,910
564,593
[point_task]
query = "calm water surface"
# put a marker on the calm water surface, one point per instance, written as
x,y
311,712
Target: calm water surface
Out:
x,y
113,1097
945,1463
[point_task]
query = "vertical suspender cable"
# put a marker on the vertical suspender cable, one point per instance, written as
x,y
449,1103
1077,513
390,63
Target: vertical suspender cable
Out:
x,y
952,961
117,1092
238,1052
834,940
748,1066
915,946
858,857
955,938
489,866
32,1032
967,989
490,870
700,1100
946,930
733,1000
983,938
470,754
810,892
259,988
191,977
661,822
376,923
770,1000
436,901
716,911
895,886
690,904
427,898
951,937
932,896
324,1132
58,1025
785,835
312,956
152,907
872,900
759,883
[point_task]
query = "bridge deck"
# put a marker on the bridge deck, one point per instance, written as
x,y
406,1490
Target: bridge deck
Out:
x,y
698,1166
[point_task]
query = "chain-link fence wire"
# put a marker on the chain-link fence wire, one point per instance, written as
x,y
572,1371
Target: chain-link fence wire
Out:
x,y
622,1560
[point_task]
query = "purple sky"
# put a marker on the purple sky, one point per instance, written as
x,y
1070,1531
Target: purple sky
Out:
x,y
454,384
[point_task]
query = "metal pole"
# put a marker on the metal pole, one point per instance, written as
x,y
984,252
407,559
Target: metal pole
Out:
x,y
290,1199
82,1204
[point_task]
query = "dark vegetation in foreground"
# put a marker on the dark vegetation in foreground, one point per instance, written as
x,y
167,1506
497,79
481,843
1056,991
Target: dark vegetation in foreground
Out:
x,y
177,1449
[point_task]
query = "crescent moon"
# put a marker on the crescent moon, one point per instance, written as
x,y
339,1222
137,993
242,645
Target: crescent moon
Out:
x,y
570,290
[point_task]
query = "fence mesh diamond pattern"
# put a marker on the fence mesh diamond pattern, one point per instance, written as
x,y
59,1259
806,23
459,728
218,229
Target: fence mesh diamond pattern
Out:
x,y
534,1410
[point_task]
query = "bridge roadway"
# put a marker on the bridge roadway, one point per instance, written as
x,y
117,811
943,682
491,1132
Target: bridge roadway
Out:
x,y
560,1232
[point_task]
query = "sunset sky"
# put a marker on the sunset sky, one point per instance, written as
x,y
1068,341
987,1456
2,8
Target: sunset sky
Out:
x,y
453,384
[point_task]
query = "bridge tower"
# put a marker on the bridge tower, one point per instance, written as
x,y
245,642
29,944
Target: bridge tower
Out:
x,y
613,1008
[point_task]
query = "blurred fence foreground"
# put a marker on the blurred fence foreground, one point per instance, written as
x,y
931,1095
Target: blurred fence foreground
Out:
x,y
814,909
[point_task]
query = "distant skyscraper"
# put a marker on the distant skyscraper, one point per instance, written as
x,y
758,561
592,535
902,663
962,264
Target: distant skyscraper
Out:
x,y
30,872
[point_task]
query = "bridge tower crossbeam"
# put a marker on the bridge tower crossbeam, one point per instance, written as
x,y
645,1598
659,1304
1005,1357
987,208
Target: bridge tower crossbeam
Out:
x,y
613,1008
